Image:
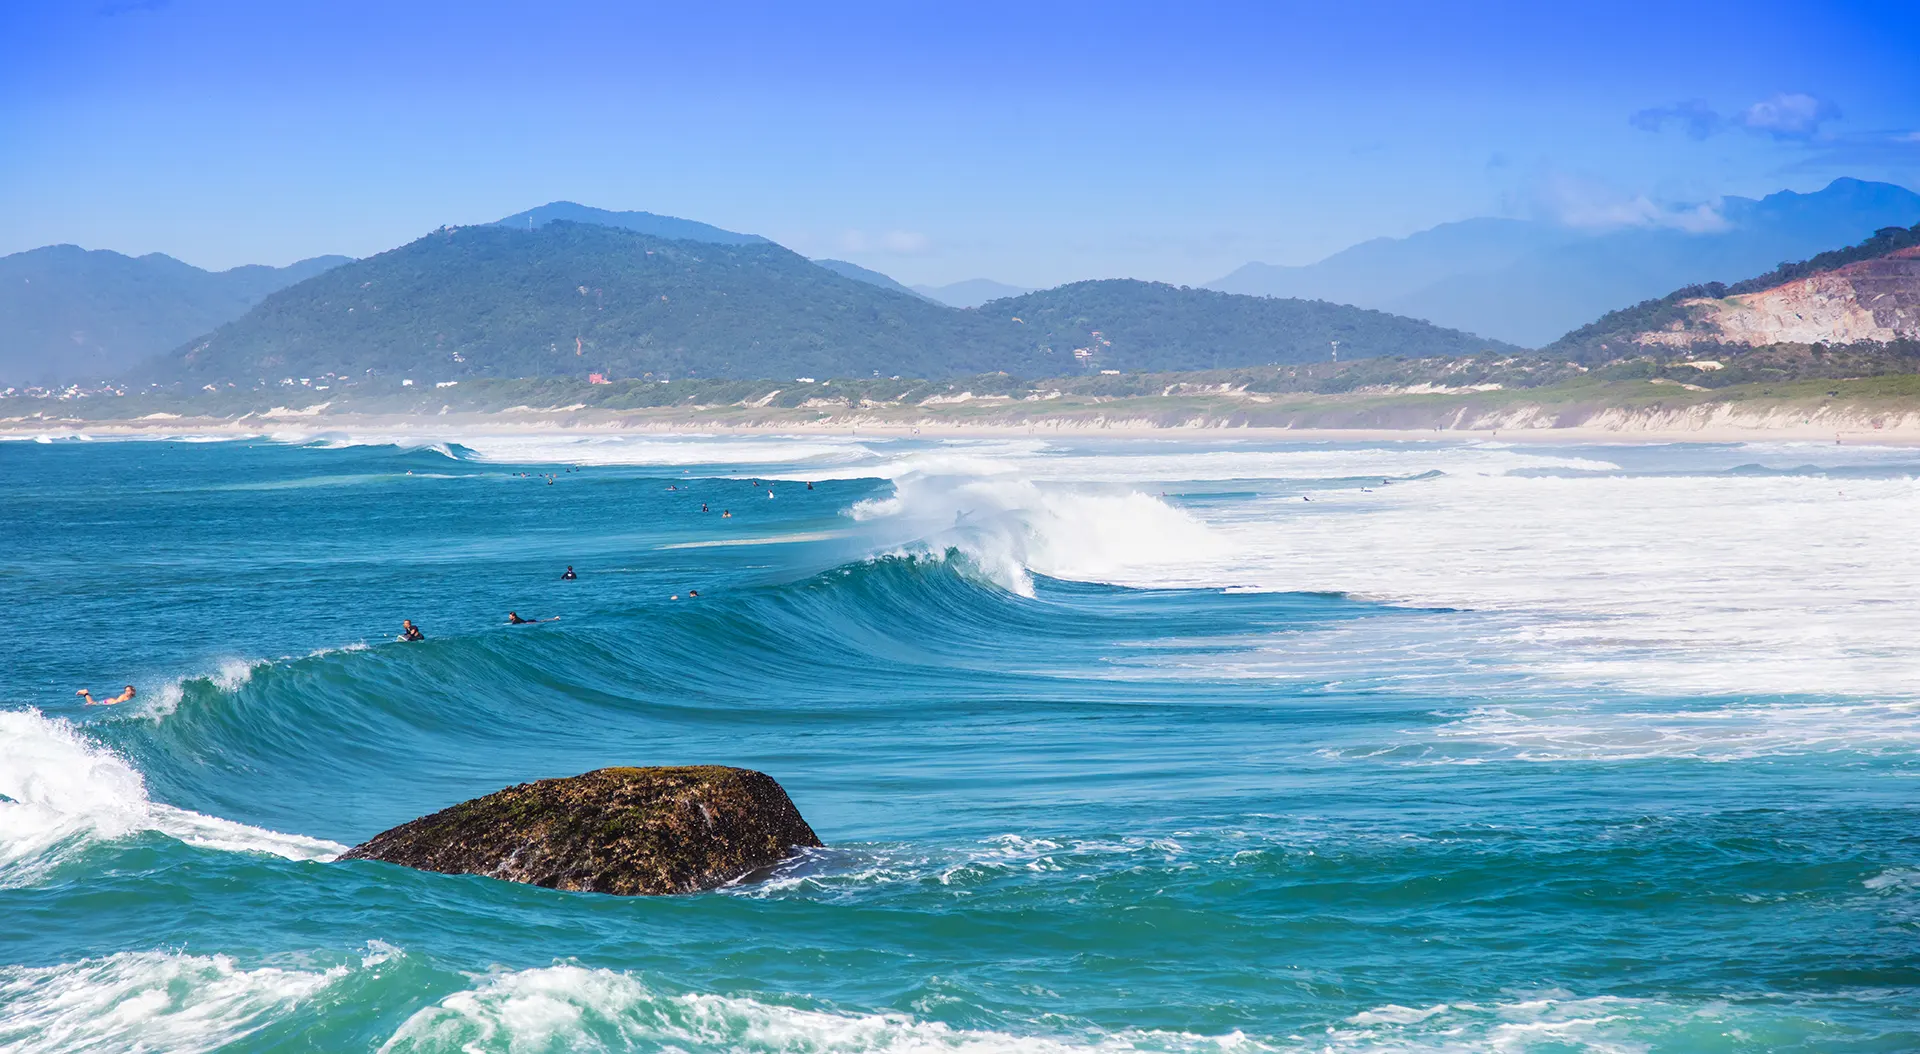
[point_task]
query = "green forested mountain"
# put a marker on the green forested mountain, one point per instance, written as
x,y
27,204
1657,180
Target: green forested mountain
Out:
x,y
567,299
70,314
1133,325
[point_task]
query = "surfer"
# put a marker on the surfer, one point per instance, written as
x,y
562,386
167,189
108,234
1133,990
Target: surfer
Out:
x,y
409,631
703,506
514,619
568,576
91,701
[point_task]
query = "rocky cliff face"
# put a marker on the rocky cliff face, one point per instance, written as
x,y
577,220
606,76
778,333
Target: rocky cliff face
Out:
x,y
1872,300
627,831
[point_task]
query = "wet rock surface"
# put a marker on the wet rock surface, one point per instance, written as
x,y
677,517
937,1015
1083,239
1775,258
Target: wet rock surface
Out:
x,y
627,831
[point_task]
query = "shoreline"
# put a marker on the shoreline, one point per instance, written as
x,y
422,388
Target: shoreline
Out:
x,y
1880,410
1614,427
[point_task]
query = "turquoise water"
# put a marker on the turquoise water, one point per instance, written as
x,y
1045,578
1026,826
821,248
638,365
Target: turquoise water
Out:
x,y
1127,746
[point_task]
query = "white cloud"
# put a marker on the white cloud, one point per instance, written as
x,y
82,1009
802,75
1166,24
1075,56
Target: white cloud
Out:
x,y
1585,204
1786,115
1789,115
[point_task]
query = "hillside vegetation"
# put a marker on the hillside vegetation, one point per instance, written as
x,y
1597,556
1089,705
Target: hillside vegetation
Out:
x,y
1616,333
568,299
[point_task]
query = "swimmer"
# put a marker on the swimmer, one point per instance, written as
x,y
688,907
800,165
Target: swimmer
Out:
x,y
514,619
703,506
672,487
568,575
809,486
769,494
121,698
726,514
693,592
409,631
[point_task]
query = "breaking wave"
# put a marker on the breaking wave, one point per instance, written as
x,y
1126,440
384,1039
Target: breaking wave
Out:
x,y
60,792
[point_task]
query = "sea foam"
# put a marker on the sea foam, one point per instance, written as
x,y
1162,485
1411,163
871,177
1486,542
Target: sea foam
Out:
x,y
575,1008
63,792
1693,578
153,1001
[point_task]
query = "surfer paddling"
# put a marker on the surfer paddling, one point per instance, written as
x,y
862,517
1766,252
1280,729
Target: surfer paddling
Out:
x,y
121,698
409,631
514,619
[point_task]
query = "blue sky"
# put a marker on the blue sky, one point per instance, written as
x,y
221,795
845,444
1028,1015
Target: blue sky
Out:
x,y
1033,143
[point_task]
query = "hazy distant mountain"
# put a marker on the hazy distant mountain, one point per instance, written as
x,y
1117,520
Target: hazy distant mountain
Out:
x,y
1528,281
971,293
70,314
644,222
862,274
568,298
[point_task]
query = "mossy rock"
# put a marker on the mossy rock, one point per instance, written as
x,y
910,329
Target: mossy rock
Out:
x,y
628,831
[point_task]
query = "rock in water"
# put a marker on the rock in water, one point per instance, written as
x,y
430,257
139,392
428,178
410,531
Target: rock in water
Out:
x,y
629,831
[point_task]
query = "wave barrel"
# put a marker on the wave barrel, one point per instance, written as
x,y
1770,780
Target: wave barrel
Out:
x,y
626,831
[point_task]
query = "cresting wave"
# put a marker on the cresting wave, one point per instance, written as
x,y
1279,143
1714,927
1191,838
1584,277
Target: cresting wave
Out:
x,y
228,677
60,793
1011,527
578,1009
1705,579
1716,570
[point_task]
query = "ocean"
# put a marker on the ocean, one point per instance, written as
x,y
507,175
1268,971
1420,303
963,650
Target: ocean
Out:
x,y
1206,746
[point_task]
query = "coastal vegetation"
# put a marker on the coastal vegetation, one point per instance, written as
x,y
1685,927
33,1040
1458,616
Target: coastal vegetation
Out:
x,y
1384,392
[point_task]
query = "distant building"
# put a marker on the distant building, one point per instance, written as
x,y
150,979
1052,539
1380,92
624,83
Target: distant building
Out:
x,y
597,378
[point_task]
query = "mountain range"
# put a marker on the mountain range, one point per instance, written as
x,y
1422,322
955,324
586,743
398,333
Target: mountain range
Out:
x,y
571,298
67,312
1530,281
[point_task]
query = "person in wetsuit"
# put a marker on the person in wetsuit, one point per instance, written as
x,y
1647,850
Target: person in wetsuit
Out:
x,y
568,576
514,619
409,631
